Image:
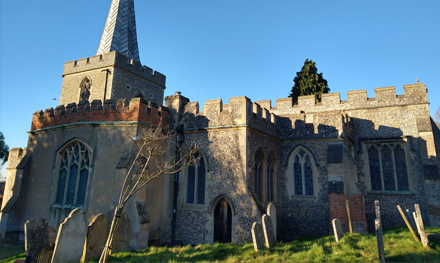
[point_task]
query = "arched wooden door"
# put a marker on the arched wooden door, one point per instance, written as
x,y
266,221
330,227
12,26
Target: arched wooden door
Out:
x,y
222,222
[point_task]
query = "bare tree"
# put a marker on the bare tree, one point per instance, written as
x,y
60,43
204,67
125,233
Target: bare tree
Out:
x,y
151,161
437,116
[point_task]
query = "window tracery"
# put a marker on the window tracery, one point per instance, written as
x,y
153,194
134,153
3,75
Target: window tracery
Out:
x,y
73,176
303,173
196,181
388,169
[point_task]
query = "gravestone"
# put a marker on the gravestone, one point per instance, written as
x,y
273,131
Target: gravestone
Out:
x,y
420,226
379,237
36,232
72,232
377,210
52,236
97,234
268,231
272,212
337,229
257,236
123,234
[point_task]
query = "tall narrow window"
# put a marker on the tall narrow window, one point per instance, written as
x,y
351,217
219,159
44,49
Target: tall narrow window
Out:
x,y
196,181
73,176
270,179
388,171
258,175
85,86
303,173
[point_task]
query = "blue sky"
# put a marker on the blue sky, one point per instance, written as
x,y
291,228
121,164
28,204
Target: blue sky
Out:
x,y
221,49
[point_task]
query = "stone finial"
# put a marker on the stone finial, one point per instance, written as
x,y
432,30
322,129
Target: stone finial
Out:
x,y
417,80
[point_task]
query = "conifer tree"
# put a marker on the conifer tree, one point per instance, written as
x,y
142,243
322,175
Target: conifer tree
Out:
x,y
309,82
4,149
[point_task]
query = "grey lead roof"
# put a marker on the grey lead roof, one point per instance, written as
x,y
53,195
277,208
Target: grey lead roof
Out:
x,y
120,30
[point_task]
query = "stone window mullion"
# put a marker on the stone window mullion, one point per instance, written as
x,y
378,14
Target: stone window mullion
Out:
x,y
379,150
69,163
396,187
303,175
78,174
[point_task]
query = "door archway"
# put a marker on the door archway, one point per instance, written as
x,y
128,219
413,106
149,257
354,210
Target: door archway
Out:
x,y
222,222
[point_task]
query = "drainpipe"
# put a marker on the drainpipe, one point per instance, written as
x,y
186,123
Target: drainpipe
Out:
x,y
179,141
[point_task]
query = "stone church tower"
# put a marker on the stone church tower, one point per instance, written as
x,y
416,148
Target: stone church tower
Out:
x,y
78,153
313,161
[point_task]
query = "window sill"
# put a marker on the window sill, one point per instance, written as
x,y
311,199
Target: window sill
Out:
x,y
375,192
306,197
70,207
193,206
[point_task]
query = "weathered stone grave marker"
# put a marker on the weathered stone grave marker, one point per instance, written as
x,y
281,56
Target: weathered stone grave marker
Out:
x,y
36,232
268,231
377,210
97,234
379,238
72,232
420,226
123,234
337,229
272,213
407,223
257,236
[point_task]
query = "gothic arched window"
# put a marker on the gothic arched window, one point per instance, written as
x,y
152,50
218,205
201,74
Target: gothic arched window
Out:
x,y
388,170
85,86
302,169
196,181
73,175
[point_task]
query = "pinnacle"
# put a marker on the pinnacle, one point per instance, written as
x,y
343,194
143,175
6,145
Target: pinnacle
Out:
x,y
120,30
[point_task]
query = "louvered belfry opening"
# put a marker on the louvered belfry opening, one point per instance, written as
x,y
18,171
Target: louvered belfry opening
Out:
x,y
120,30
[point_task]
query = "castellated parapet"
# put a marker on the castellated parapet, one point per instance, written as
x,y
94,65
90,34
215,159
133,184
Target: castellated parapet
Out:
x,y
384,97
114,59
110,76
134,110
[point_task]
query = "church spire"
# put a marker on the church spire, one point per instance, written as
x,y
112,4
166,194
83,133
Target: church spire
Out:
x,y
120,30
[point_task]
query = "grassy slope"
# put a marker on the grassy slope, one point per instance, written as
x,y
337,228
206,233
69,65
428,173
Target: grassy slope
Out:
x,y
399,247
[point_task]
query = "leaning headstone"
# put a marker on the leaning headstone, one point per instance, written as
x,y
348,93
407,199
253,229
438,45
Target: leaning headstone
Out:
x,y
36,232
337,229
257,236
379,237
411,220
72,232
407,223
123,234
52,236
272,212
268,231
96,237
420,226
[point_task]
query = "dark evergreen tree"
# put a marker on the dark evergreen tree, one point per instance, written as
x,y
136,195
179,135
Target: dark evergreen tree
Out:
x,y
308,82
4,149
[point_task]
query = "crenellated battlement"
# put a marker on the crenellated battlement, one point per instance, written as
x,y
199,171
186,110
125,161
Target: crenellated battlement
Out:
x,y
134,110
114,59
358,99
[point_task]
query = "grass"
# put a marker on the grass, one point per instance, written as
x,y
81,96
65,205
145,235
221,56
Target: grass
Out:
x,y
399,247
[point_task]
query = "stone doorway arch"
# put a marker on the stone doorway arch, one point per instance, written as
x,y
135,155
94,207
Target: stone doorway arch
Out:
x,y
223,222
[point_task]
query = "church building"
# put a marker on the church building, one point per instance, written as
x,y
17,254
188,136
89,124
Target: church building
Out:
x,y
313,161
